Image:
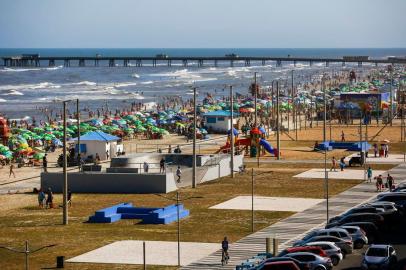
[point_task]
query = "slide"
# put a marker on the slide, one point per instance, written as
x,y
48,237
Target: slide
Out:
x,y
268,147
245,141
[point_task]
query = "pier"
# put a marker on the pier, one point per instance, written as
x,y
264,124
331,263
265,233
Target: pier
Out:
x,y
35,60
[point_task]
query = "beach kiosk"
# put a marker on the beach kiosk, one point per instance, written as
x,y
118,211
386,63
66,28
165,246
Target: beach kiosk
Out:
x,y
219,121
98,142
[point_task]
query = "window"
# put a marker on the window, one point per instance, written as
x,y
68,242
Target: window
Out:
x,y
211,120
220,119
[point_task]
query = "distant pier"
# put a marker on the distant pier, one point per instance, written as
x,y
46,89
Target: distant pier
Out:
x,y
35,60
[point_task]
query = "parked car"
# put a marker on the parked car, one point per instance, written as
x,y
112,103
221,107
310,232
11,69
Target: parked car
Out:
x,y
316,262
337,232
279,266
379,257
398,198
346,246
377,219
301,265
312,249
358,235
371,230
331,249
356,210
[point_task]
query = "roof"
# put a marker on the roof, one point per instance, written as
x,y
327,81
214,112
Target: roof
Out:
x,y
98,136
221,113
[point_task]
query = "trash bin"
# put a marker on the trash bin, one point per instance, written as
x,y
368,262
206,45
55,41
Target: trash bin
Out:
x,y
60,260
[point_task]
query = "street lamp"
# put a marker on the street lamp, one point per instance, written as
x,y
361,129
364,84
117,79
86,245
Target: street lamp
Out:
x,y
194,138
26,251
325,148
231,133
178,200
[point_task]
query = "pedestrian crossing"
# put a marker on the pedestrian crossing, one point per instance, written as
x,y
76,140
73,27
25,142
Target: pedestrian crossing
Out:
x,y
294,227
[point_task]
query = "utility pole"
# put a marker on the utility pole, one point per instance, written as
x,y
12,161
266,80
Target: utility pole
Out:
x,y
65,174
278,141
231,133
255,100
178,219
391,96
252,199
325,150
78,126
194,138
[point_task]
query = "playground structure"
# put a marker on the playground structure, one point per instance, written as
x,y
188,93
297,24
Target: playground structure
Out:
x,y
148,215
250,144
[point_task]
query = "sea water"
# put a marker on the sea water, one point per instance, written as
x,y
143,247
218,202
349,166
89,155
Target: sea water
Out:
x,y
24,90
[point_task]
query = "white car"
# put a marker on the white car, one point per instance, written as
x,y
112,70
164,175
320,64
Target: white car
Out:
x,y
331,249
380,257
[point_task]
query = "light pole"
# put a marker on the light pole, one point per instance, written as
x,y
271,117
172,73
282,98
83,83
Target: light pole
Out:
x,y
278,141
255,100
178,200
232,133
325,148
78,125
65,174
194,138
26,251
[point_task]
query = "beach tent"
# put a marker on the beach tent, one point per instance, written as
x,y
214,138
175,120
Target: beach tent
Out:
x,y
98,142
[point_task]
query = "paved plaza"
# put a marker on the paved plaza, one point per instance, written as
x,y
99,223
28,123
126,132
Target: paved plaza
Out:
x,y
349,174
157,253
268,203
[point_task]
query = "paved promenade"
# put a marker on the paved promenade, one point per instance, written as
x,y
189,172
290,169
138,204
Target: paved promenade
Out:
x,y
295,226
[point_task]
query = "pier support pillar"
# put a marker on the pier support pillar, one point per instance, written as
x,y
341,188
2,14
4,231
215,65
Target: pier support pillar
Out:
x,y
66,63
81,62
376,64
278,63
247,63
294,63
153,62
311,63
169,63
215,63
96,62
51,63
263,62
112,63
343,64
37,63
359,64
200,63
232,63
138,63
184,62
327,63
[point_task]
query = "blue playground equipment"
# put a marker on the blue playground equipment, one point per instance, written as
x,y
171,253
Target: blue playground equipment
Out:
x,y
267,146
114,213
349,146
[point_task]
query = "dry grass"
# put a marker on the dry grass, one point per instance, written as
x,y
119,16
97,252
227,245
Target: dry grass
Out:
x,y
42,227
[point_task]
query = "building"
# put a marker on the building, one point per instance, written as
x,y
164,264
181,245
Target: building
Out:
x,y
98,142
219,121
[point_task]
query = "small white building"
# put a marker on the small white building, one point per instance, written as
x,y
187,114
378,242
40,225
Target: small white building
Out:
x,y
220,121
98,142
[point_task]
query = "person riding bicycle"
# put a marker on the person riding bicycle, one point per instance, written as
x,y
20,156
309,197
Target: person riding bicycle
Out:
x,y
224,247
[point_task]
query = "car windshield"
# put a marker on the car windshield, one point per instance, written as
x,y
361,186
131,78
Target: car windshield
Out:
x,y
377,252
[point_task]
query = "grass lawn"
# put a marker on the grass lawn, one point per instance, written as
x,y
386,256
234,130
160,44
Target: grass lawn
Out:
x,y
24,221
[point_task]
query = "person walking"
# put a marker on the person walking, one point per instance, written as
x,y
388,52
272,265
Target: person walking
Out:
x,y
369,174
12,171
342,136
50,199
375,149
162,165
333,164
390,182
342,163
41,198
178,174
146,167
69,198
386,150
379,183
45,163
107,154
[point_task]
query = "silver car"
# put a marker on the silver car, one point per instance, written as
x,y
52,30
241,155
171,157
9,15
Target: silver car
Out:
x,y
336,231
331,249
359,237
380,257
315,262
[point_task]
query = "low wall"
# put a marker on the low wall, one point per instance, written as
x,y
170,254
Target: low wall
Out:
x,y
110,182
223,168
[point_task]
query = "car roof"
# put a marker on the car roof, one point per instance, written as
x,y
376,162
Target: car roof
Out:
x,y
350,227
325,236
301,253
315,243
334,229
302,247
379,246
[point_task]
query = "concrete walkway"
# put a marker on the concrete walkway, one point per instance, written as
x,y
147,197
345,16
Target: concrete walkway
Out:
x,y
295,226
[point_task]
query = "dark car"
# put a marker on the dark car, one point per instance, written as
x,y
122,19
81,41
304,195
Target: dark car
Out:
x,y
357,210
279,266
346,246
398,198
377,219
301,265
311,249
370,229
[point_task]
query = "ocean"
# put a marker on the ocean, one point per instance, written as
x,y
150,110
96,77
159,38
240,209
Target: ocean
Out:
x,y
24,90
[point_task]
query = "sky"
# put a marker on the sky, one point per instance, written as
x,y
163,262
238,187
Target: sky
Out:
x,y
202,23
